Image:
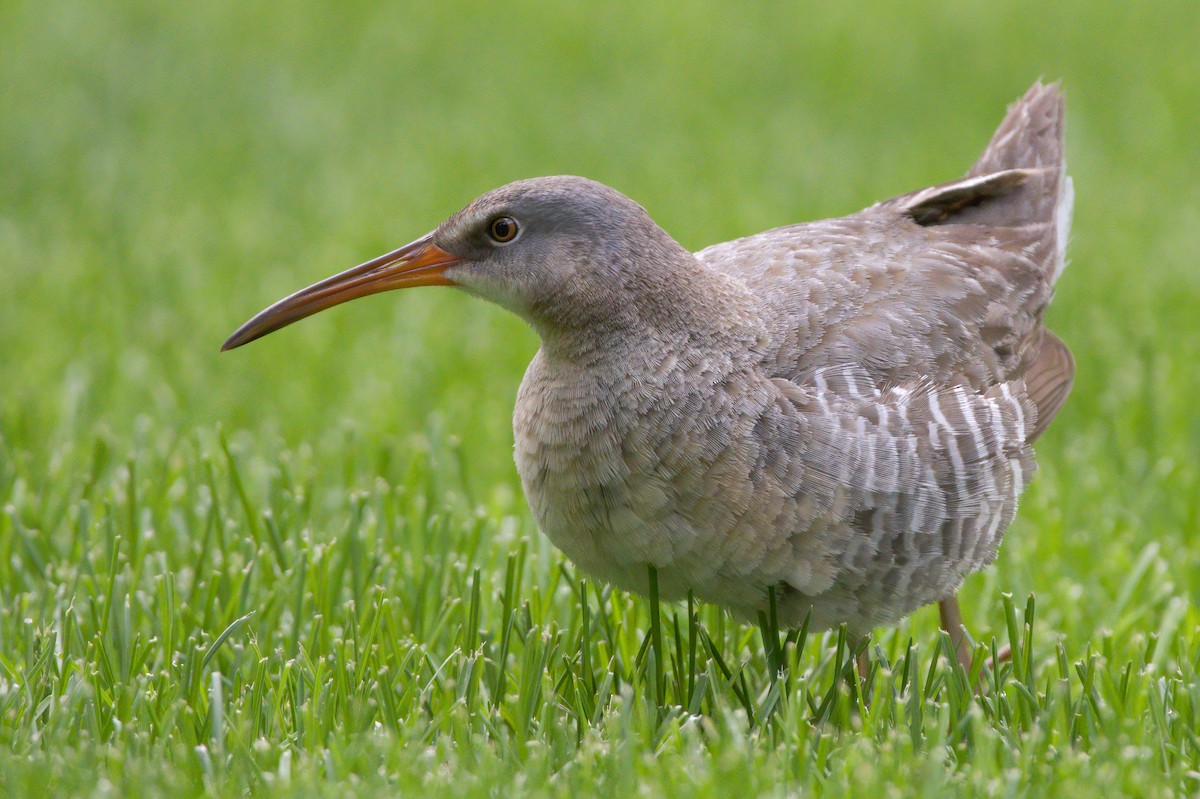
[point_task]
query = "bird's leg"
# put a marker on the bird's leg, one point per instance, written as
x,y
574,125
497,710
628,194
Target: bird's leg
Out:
x,y
862,660
950,615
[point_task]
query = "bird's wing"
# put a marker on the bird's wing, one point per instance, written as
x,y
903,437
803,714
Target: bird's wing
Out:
x,y
905,301
948,283
918,481
1049,380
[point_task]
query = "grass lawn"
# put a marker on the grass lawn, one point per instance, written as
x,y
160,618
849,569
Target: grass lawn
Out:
x,y
306,567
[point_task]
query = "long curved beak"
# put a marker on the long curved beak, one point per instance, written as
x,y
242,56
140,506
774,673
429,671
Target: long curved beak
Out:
x,y
418,264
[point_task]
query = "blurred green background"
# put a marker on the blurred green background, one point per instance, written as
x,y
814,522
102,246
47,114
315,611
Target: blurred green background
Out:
x,y
166,170
169,169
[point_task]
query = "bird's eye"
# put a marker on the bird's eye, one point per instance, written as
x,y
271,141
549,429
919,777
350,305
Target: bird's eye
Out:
x,y
503,229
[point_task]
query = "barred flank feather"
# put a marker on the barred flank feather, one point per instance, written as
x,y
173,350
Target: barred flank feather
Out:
x,y
926,476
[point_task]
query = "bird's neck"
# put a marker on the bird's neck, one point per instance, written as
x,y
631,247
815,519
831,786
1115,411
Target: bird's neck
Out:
x,y
680,307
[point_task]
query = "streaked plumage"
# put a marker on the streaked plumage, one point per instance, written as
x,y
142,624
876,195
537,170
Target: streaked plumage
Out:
x,y
841,410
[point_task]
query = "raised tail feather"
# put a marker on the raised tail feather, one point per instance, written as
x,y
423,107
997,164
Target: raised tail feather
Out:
x,y
1031,135
1019,184
1031,139
1020,181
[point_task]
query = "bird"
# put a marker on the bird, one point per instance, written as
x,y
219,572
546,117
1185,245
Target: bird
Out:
x,y
833,417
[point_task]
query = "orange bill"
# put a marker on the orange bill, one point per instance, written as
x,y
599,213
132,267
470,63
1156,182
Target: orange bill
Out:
x,y
418,264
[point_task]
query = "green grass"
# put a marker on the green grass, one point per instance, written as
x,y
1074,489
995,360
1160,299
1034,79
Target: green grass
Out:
x,y
306,567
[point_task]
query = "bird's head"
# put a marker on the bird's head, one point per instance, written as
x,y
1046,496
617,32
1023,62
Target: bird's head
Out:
x,y
558,251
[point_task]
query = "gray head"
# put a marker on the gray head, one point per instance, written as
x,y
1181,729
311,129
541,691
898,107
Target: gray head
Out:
x,y
562,252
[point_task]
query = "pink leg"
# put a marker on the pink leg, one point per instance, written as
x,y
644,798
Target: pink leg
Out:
x,y
950,615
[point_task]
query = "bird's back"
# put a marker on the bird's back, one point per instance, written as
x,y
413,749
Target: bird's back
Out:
x,y
947,284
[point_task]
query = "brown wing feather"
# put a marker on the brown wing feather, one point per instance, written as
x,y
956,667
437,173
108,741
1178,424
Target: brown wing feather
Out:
x,y
1048,381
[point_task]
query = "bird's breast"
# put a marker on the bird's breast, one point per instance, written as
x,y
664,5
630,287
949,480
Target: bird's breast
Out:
x,y
628,467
